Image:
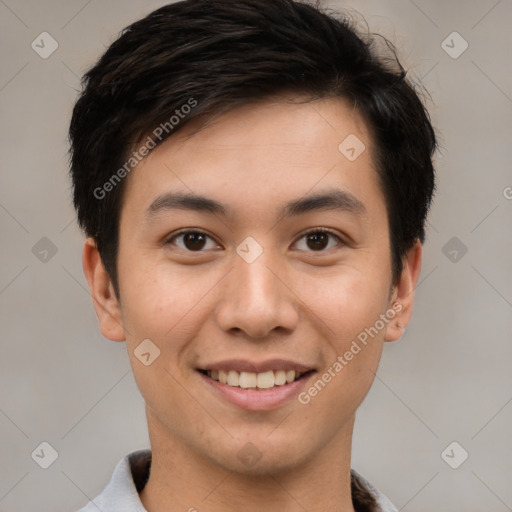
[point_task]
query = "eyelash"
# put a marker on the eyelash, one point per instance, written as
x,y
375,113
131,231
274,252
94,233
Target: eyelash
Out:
x,y
311,231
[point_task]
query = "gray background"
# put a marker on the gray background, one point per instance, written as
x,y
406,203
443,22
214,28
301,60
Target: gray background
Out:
x,y
447,380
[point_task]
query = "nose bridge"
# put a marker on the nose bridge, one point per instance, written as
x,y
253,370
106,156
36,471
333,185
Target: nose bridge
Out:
x,y
254,299
256,284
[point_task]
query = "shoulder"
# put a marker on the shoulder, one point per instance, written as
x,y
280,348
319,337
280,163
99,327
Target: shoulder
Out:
x,y
121,494
366,497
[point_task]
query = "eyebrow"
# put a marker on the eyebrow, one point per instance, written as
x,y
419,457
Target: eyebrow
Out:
x,y
334,199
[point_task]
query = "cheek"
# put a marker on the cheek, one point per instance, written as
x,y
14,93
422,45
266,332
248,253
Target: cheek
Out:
x,y
349,363
350,305
154,310
157,303
347,300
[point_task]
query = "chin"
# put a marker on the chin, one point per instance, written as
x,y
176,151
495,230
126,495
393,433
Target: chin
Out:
x,y
260,458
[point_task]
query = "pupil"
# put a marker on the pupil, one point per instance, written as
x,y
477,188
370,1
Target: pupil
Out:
x,y
194,240
315,238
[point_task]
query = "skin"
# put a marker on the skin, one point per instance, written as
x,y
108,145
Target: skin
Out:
x,y
294,301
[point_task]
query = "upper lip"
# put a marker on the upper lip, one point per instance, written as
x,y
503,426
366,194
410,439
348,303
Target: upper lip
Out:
x,y
243,365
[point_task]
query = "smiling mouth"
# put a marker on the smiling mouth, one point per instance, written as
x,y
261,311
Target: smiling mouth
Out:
x,y
255,381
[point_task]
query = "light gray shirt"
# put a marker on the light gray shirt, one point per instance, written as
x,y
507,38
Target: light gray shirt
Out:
x,y
132,472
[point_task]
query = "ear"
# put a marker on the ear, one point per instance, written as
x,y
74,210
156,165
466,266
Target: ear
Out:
x,y
403,293
104,298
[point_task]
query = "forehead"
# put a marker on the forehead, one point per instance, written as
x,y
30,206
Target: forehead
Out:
x,y
254,157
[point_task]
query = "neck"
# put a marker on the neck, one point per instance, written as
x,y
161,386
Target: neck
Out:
x,y
183,480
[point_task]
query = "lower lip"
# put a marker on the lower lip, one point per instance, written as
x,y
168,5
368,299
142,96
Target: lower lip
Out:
x,y
258,400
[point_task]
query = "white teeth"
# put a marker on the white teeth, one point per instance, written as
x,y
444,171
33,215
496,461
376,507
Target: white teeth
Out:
x,y
247,380
279,377
233,378
265,380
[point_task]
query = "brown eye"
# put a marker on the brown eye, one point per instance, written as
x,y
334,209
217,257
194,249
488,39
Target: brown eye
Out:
x,y
318,240
192,241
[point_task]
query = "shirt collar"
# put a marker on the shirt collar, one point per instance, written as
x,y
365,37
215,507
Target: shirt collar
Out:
x,y
132,471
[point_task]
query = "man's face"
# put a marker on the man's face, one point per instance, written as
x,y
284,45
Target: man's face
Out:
x,y
254,291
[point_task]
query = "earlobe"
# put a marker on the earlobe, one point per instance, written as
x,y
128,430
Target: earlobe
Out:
x,y
403,296
104,298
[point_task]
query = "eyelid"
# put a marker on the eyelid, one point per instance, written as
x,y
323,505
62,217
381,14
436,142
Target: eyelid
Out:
x,y
319,229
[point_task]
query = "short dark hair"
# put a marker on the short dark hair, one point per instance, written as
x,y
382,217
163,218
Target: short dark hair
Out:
x,y
214,55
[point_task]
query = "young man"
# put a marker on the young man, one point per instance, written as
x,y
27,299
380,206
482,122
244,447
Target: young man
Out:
x,y
253,180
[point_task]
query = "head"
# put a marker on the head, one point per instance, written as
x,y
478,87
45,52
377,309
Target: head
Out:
x,y
260,107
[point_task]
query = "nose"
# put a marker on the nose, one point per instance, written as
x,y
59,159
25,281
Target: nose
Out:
x,y
257,298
